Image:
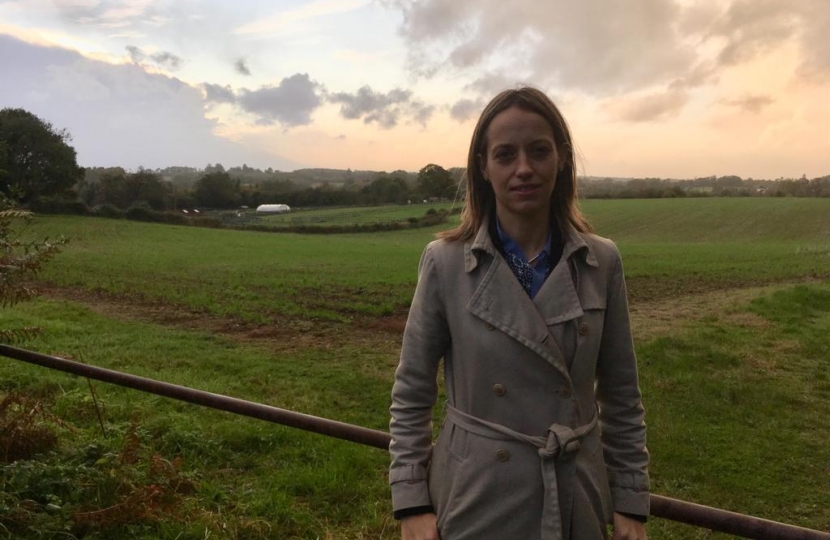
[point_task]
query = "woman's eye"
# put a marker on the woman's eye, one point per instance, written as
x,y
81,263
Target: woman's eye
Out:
x,y
503,155
541,151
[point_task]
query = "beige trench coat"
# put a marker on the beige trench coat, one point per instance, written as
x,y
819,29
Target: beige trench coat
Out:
x,y
518,456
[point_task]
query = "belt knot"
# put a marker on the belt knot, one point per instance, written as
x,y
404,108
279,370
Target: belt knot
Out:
x,y
561,443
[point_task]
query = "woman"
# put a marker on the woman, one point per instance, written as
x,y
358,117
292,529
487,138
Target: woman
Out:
x,y
544,435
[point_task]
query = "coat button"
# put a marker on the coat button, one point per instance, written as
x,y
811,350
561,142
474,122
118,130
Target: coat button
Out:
x,y
502,455
490,327
499,390
565,392
583,329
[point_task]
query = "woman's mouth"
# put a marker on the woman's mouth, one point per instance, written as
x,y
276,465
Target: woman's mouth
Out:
x,y
525,188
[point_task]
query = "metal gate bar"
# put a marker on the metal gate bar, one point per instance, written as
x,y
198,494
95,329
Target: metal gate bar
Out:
x,y
664,507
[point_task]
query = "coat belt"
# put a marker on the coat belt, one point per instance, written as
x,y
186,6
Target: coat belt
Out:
x,y
556,450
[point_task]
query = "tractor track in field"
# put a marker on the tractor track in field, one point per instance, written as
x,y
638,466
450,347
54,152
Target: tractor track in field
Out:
x,y
650,317
282,333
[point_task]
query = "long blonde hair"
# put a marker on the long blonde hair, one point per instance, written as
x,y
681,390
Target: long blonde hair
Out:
x,y
480,200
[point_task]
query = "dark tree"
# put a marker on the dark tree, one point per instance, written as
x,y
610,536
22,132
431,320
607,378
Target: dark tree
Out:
x,y
124,190
111,189
148,187
385,189
435,181
214,168
217,190
35,158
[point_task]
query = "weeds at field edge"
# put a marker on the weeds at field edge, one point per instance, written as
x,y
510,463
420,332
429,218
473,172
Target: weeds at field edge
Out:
x,y
114,484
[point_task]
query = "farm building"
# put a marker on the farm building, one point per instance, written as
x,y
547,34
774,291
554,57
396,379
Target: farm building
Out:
x,y
272,208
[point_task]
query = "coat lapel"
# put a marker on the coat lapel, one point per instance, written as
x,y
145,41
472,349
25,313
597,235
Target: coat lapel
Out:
x,y
558,300
500,301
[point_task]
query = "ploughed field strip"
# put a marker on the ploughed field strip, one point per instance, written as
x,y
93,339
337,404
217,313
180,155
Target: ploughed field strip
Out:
x,y
650,318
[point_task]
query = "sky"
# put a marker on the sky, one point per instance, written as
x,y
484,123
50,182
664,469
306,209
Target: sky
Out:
x,y
650,88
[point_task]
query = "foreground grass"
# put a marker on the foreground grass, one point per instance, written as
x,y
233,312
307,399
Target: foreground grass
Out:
x,y
234,477
737,407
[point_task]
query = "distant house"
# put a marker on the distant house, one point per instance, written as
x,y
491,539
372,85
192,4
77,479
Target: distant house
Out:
x,y
272,209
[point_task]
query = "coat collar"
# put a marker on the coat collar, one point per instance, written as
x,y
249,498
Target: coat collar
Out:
x,y
483,243
500,301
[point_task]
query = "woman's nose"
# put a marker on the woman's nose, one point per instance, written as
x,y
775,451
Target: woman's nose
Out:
x,y
523,169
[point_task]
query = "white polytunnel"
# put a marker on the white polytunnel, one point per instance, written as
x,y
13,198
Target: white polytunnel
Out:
x,y
273,208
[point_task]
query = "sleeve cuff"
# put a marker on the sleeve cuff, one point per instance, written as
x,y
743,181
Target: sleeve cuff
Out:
x,y
410,495
414,511
629,501
638,517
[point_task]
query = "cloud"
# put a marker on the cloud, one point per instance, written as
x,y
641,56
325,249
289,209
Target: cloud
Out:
x,y
383,109
241,66
284,19
652,107
167,59
815,65
491,84
630,45
421,112
753,27
699,75
609,49
750,103
136,54
118,114
290,103
465,109
368,103
215,93
162,59
110,13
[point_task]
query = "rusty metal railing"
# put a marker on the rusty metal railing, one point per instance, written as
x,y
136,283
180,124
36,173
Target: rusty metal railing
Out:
x,y
663,507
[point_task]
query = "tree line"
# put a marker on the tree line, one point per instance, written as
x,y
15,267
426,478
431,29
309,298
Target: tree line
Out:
x,y
38,168
710,186
221,189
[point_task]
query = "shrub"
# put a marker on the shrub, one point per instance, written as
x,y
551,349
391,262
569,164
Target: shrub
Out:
x,y
173,218
141,212
109,211
209,222
25,428
59,205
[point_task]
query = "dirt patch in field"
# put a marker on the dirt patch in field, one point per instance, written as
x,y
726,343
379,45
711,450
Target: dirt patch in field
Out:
x,y
281,334
655,318
649,318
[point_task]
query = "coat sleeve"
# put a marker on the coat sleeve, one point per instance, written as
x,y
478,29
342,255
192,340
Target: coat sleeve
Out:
x,y
621,413
425,340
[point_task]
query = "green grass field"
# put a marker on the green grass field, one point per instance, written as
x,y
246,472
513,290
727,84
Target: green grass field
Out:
x,y
731,312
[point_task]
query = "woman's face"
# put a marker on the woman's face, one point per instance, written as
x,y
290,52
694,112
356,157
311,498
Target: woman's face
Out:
x,y
521,163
